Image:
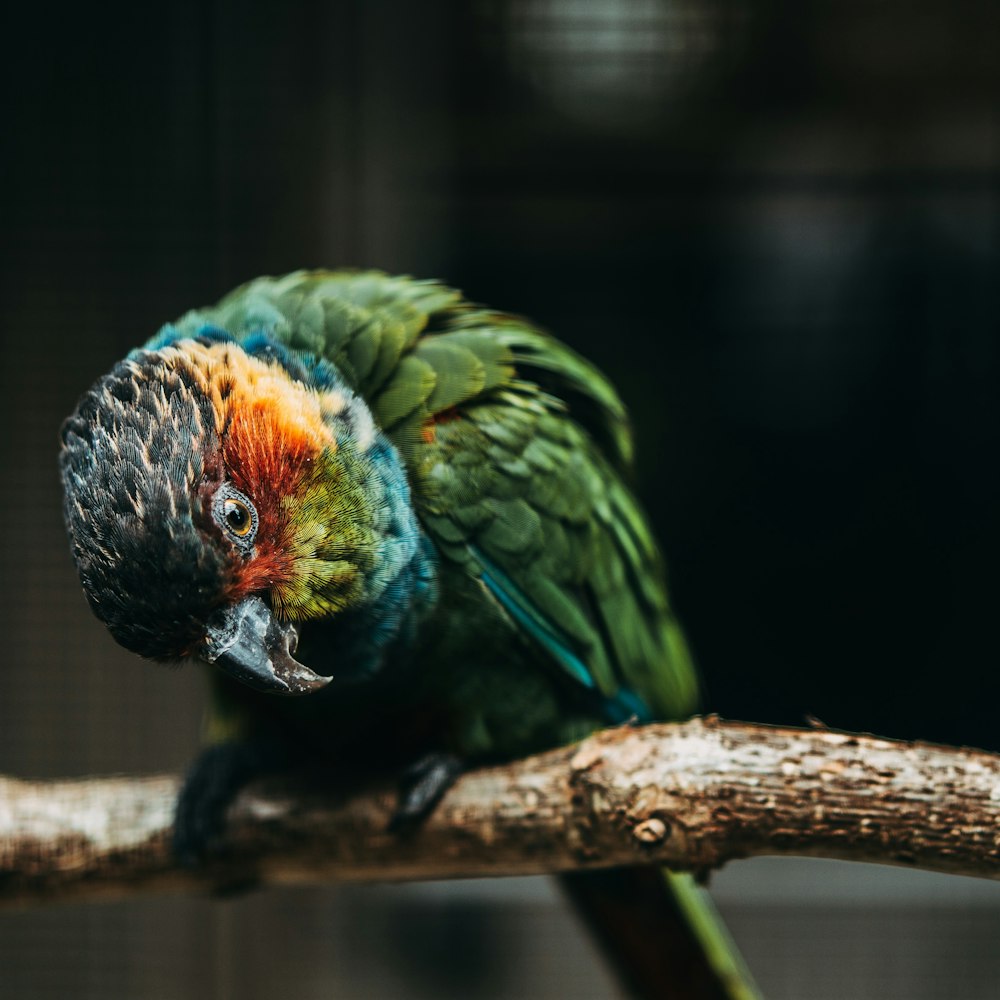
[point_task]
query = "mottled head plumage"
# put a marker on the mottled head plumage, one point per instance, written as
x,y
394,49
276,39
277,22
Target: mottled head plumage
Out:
x,y
137,457
162,447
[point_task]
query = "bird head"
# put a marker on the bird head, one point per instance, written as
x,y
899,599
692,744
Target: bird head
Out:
x,y
212,504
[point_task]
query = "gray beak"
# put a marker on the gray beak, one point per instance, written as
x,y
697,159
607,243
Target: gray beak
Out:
x,y
249,644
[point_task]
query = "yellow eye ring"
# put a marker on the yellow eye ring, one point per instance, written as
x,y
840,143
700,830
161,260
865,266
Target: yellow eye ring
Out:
x,y
239,520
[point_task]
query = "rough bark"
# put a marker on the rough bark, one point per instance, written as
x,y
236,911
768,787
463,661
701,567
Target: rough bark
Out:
x,y
692,795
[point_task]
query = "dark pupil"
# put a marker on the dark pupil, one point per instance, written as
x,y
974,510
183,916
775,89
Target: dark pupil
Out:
x,y
237,517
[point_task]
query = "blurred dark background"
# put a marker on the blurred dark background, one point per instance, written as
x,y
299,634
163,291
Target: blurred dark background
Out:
x,y
776,225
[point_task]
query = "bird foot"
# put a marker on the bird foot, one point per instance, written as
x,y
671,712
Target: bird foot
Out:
x,y
212,782
421,787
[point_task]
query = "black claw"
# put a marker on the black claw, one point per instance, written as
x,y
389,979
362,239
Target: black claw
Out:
x,y
421,787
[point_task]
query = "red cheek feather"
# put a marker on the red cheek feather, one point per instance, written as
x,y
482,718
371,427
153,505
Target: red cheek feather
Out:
x,y
267,459
263,572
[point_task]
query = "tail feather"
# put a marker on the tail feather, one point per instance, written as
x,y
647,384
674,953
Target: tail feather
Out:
x,y
661,933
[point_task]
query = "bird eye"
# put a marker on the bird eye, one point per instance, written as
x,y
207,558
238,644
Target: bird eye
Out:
x,y
237,516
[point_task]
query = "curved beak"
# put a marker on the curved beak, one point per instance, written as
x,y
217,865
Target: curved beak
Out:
x,y
249,644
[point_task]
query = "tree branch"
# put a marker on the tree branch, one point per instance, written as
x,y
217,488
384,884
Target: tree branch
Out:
x,y
692,796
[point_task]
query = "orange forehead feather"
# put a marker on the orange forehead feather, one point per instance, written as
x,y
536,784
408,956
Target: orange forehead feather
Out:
x,y
258,408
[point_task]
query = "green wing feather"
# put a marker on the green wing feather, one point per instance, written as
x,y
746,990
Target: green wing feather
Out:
x,y
515,446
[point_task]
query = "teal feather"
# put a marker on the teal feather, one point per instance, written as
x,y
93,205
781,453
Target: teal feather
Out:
x,y
526,615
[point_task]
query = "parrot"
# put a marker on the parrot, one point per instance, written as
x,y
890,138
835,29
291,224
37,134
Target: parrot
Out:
x,y
398,529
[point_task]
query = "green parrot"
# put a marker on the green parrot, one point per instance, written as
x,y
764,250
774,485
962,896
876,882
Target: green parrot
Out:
x,y
375,508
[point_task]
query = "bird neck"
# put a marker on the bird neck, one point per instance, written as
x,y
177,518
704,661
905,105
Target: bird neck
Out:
x,y
398,569
366,641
